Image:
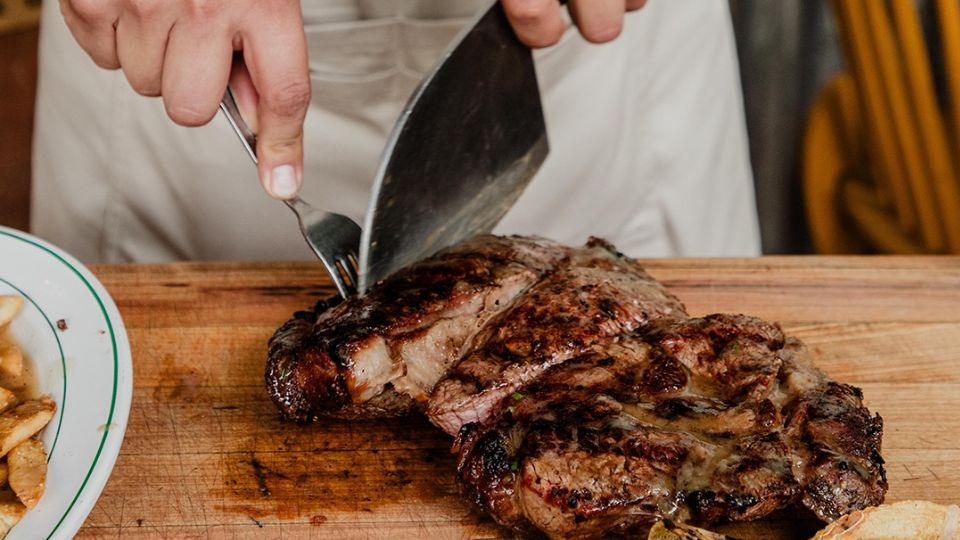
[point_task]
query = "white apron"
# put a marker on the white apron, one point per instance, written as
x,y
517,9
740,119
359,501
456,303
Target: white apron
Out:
x,y
647,136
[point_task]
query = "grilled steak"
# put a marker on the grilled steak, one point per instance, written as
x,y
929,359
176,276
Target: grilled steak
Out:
x,y
382,354
701,420
584,400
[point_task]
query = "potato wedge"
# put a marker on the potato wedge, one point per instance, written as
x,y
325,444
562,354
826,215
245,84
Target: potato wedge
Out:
x,y
27,466
11,360
11,510
24,421
9,306
3,473
7,399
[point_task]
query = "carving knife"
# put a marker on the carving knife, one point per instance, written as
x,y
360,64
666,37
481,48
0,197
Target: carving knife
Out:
x,y
468,142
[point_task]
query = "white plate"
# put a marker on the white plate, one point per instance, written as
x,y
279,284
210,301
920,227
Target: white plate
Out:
x,y
85,368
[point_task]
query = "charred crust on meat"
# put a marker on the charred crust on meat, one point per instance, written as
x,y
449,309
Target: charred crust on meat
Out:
x,y
304,383
605,362
608,307
664,376
493,452
595,242
672,408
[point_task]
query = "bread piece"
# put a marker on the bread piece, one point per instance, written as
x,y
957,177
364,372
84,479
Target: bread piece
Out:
x,y
905,520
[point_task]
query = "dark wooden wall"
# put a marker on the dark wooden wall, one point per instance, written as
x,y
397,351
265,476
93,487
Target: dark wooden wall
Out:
x,y
18,82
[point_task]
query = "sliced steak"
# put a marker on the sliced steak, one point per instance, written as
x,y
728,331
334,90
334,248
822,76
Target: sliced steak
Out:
x,y
382,353
584,400
673,421
594,294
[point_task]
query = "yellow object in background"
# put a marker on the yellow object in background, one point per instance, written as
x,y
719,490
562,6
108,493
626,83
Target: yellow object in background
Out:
x,y
906,134
833,149
932,130
880,156
18,14
886,163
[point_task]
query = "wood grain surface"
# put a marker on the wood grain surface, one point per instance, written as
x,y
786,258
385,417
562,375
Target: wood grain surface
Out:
x,y
205,455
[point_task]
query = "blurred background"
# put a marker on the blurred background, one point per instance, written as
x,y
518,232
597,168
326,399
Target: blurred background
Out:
x,y
852,109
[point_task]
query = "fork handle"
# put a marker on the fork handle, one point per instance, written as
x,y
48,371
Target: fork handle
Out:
x,y
249,139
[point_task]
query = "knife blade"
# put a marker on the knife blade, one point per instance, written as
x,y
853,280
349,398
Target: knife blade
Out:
x,y
466,145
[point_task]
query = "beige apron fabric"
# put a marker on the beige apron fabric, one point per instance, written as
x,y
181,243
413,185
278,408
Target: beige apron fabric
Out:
x,y
647,135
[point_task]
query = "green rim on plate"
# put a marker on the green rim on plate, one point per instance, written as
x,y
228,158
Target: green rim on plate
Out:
x,y
113,342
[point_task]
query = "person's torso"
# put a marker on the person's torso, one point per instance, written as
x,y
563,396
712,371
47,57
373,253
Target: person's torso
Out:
x,y
646,133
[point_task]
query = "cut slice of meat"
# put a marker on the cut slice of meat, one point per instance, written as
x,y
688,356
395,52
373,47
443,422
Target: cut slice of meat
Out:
x,y
649,426
595,294
382,353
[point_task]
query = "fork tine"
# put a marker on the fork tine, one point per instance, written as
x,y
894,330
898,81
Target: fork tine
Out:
x,y
350,269
336,276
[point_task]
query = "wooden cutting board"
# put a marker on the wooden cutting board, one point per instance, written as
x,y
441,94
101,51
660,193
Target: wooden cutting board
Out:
x,y
205,455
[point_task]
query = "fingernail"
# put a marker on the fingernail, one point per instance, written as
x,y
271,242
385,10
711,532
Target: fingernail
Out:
x,y
283,181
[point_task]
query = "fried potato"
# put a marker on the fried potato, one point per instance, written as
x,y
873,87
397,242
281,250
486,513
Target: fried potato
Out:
x,y
11,510
24,421
27,465
7,399
9,306
3,473
11,360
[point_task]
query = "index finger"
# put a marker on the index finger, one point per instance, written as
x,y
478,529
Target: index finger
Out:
x,y
275,52
538,23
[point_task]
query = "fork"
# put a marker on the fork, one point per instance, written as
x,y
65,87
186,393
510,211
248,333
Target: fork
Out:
x,y
333,237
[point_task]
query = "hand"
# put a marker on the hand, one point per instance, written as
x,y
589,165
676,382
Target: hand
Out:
x,y
538,22
183,50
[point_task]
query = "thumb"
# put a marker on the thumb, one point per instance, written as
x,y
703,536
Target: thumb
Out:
x,y
276,57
